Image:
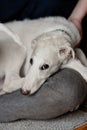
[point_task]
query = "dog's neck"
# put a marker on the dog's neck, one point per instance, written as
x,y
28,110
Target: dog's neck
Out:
x,y
65,32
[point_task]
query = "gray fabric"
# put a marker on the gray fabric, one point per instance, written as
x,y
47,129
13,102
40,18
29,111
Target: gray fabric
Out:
x,y
59,94
68,121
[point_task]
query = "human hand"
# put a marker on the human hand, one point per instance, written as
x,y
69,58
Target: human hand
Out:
x,y
78,14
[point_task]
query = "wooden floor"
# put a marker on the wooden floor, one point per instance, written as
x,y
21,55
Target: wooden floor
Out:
x,y
84,127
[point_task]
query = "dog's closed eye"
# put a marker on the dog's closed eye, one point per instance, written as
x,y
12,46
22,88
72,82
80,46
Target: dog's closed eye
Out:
x,y
44,67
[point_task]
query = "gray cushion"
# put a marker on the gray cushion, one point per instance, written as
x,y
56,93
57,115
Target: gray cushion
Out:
x,y
61,93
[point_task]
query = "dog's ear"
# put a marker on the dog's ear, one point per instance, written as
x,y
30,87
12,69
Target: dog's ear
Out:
x,y
65,51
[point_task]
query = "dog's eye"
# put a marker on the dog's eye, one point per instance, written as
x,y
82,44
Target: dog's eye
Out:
x,y
44,67
31,61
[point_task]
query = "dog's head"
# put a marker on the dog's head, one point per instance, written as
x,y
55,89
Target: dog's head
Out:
x,y
50,51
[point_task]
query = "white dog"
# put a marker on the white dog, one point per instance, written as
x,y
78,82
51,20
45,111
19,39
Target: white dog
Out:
x,y
32,50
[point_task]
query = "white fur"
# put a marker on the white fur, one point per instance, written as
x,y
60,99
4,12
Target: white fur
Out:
x,y
77,64
40,40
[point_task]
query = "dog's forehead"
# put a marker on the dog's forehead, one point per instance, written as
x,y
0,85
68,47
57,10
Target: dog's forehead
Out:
x,y
45,56
44,51
50,39
47,46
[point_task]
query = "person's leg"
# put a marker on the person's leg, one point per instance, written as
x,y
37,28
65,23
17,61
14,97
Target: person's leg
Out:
x,y
61,93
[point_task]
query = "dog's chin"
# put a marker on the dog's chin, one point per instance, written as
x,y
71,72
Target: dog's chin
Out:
x,y
33,89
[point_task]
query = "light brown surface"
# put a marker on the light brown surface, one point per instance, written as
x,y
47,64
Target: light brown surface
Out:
x,y
84,127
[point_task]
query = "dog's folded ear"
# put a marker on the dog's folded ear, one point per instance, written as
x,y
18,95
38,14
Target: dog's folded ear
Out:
x,y
66,51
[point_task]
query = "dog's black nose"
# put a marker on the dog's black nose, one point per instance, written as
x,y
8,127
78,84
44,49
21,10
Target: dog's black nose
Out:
x,y
25,92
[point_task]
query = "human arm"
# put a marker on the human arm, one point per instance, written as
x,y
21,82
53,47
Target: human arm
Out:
x,y
78,14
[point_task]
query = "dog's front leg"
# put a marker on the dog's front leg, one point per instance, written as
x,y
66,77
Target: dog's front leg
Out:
x,y
12,83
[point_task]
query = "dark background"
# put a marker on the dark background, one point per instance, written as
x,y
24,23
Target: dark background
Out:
x,y
20,9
